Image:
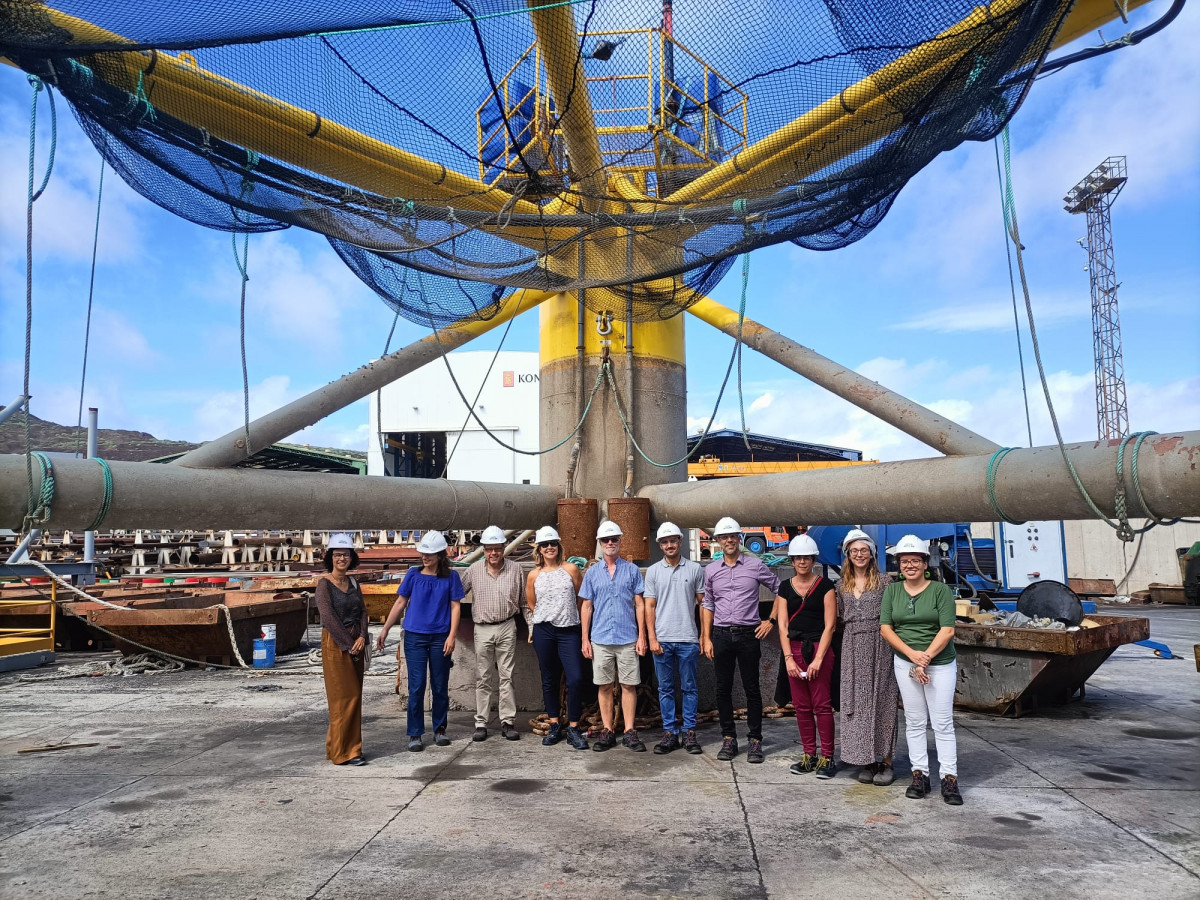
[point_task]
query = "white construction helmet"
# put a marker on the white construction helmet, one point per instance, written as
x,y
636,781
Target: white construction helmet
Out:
x,y
856,534
608,528
431,542
668,529
340,542
492,535
803,545
727,525
910,543
546,534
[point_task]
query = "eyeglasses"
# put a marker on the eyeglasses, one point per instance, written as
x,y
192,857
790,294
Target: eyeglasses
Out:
x,y
547,545
609,540
341,554
859,551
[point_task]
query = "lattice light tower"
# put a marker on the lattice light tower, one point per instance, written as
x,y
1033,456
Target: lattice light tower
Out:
x,y
1095,195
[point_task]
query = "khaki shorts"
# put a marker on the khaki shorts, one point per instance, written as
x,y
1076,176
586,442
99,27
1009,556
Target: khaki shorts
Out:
x,y
611,660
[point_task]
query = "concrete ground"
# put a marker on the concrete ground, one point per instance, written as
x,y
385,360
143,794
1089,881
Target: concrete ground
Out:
x,y
215,785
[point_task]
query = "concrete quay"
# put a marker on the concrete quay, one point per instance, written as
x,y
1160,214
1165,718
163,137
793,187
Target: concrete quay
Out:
x,y
214,785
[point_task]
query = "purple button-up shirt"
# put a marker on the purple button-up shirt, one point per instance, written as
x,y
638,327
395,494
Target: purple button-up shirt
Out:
x,y
731,592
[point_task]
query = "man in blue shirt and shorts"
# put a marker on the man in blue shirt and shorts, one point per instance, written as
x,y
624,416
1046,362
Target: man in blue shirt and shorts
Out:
x,y
614,633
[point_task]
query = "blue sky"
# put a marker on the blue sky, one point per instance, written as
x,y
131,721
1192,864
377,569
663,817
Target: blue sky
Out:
x,y
922,304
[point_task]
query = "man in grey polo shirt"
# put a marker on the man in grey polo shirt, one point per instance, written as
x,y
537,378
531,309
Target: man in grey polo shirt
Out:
x,y
674,588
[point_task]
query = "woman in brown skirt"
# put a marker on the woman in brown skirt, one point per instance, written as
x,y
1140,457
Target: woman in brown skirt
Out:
x,y
869,691
344,639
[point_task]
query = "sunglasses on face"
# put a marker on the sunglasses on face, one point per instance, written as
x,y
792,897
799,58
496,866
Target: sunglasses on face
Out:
x,y
547,545
609,540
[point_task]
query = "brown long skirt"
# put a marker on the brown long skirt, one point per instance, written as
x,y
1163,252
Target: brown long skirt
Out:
x,y
343,690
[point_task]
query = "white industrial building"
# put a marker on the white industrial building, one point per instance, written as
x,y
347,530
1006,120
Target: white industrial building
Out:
x,y
420,421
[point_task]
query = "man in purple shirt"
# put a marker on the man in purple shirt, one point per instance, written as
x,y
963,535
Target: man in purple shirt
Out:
x,y
730,631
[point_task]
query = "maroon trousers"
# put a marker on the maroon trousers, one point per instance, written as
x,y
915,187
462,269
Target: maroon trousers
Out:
x,y
814,711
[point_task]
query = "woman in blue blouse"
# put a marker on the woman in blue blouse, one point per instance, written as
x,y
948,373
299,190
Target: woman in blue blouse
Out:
x,y
432,594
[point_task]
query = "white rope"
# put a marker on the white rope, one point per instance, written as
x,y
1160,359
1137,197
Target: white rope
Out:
x,y
141,664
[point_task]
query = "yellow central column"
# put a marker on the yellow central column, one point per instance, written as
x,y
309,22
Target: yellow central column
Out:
x,y
659,420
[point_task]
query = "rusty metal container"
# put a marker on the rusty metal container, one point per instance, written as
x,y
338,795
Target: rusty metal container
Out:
x,y
578,519
633,515
1012,671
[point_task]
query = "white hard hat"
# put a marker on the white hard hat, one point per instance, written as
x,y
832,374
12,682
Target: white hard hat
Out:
x,y
727,526
340,542
492,535
608,528
803,545
856,534
668,529
546,533
910,543
431,542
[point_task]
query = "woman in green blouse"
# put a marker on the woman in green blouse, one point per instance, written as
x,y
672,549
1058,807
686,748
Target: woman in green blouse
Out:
x,y
917,619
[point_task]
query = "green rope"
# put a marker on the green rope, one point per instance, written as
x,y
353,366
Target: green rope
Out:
x,y
32,197
243,264
1138,438
106,499
740,208
735,356
1120,524
471,407
87,327
578,560
993,467
39,504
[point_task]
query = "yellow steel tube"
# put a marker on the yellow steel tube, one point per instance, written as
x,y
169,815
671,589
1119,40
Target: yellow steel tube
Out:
x,y
771,158
558,41
279,130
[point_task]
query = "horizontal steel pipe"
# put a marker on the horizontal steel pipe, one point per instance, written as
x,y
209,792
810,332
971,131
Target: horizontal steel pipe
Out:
x,y
915,420
231,449
150,495
1030,485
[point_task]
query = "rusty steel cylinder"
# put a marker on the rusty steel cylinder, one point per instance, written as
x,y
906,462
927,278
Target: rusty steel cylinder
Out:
x,y
633,515
578,518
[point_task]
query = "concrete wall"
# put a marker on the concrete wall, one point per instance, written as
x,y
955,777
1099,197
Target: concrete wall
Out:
x,y
1093,551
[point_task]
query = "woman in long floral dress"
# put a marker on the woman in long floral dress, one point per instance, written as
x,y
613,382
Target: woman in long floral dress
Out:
x,y
869,692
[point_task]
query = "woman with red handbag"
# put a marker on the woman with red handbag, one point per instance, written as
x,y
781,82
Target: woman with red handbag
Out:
x,y
806,612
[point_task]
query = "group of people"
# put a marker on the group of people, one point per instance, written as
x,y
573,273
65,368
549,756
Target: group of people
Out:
x,y
896,641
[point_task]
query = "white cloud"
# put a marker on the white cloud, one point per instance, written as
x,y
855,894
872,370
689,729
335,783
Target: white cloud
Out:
x,y
994,315
762,402
116,338
989,402
222,411
65,215
291,295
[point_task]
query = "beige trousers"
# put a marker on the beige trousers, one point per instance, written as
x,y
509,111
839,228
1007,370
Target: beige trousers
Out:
x,y
495,653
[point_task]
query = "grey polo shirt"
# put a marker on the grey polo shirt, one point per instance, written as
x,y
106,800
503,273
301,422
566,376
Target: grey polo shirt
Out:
x,y
675,589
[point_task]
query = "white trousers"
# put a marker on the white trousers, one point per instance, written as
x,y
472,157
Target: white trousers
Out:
x,y
495,654
925,703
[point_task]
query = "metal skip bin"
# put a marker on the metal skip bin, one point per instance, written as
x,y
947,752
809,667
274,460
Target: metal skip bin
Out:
x,y
1012,671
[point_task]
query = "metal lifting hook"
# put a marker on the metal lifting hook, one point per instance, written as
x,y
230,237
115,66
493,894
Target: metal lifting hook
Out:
x,y
604,324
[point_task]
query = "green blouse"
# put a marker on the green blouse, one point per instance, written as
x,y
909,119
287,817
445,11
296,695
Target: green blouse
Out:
x,y
918,619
